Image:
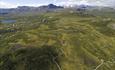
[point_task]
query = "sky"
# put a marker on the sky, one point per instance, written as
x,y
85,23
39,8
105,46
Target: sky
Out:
x,y
15,3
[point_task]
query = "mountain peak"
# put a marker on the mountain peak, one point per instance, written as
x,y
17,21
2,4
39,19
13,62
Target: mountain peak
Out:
x,y
52,6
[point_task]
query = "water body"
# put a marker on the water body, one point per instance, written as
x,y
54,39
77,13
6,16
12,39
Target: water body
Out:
x,y
8,21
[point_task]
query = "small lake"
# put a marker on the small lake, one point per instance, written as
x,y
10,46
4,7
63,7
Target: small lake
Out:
x,y
8,21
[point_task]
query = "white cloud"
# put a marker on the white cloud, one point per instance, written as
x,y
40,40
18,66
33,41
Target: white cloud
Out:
x,y
89,2
73,2
64,2
102,2
11,5
7,5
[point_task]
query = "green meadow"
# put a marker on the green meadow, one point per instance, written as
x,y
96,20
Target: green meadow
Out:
x,y
58,41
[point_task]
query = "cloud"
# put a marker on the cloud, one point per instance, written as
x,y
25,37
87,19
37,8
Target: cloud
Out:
x,y
7,5
73,2
102,2
11,5
89,2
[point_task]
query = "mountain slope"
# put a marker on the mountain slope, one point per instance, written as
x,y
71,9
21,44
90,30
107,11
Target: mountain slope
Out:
x,y
58,41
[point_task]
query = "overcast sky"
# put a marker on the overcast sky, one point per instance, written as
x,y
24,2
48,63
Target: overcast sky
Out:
x,y
15,3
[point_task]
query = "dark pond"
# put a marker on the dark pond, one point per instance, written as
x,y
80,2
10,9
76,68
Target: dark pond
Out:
x,y
8,21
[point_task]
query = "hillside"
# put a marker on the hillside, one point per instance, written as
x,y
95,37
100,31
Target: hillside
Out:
x,y
58,41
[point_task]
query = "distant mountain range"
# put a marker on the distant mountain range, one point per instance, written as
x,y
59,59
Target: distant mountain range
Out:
x,y
50,8
21,9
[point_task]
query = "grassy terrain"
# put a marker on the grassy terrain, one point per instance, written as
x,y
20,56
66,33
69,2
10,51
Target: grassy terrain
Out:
x,y
58,41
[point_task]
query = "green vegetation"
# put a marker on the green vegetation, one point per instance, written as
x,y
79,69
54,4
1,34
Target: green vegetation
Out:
x,y
57,41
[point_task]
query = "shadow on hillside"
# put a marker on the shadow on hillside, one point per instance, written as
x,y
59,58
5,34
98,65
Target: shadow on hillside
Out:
x,y
30,59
